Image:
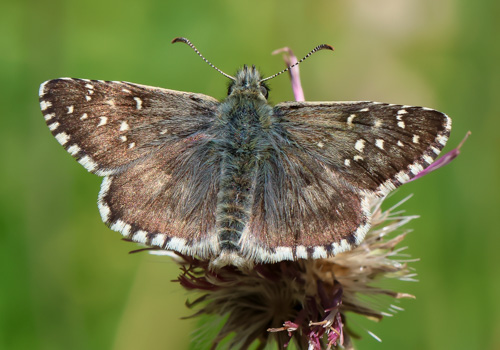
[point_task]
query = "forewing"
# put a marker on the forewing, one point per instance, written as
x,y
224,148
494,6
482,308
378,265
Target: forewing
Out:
x,y
107,125
375,146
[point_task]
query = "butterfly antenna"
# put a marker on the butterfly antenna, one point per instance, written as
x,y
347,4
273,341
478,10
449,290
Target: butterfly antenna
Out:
x,y
317,48
186,41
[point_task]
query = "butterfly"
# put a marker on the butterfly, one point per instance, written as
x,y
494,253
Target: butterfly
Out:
x,y
239,180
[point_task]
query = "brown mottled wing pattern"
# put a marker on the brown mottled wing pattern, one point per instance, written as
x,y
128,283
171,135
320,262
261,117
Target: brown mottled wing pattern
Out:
x,y
106,125
368,143
151,145
333,158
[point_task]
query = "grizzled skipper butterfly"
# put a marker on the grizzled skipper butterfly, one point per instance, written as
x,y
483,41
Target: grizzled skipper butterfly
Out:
x,y
239,180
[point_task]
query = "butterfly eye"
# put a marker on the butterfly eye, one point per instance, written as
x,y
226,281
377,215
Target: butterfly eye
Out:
x,y
264,91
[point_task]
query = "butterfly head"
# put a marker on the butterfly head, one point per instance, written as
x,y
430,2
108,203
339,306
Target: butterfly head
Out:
x,y
248,82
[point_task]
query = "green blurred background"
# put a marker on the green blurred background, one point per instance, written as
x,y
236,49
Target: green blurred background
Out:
x,y
68,282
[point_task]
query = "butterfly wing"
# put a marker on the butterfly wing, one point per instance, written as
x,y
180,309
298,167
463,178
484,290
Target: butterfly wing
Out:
x,y
334,159
375,146
108,125
152,146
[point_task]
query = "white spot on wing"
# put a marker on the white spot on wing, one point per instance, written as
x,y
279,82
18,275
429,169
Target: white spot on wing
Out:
x,y
402,111
416,168
104,211
363,229
84,116
73,149
102,172
123,138
88,163
140,237
89,86
416,139
106,183
131,145
448,123
319,252
159,240
138,102
379,143
103,121
124,126
62,138
364,110
301,252
41,92
284,253
88,98
126,90
401,125
402,177
70,109
350,119
103,207
54,126
357,158
177,244
121,227
400,144
344,246
428,159
347,162
387,187
378,123
335,248
49,116
435,150
442,139
320,144
44,105
360,145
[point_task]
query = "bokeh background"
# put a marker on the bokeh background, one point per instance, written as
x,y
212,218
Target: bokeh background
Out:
x,y
68,282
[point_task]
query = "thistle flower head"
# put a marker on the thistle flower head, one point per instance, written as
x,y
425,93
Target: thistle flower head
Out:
x,y
305,301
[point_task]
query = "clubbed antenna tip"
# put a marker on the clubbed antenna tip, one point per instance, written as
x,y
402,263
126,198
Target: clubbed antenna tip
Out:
x,y
316,49
180,39
187,42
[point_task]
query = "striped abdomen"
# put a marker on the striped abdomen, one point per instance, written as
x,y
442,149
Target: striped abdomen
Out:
x,y
243,135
